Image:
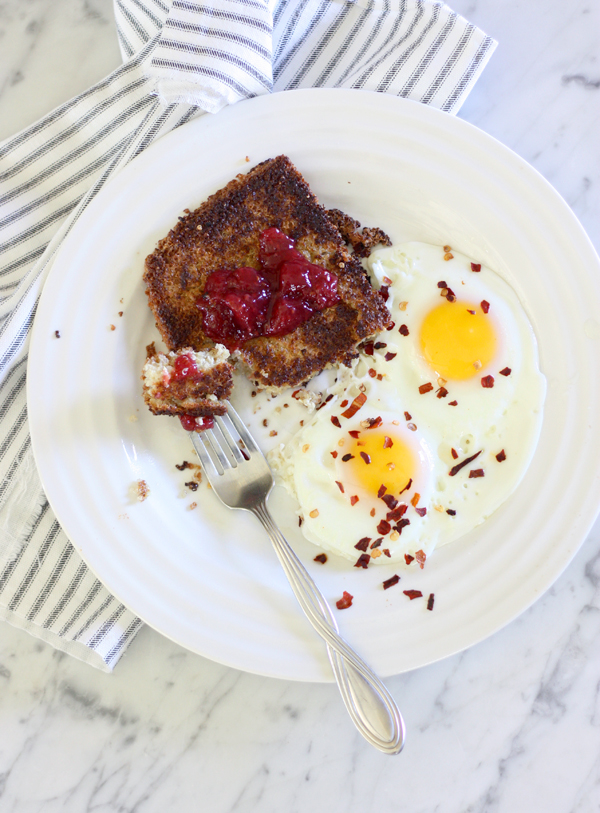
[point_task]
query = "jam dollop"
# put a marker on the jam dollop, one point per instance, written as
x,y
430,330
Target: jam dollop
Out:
x,y
243,303
185,367
192,424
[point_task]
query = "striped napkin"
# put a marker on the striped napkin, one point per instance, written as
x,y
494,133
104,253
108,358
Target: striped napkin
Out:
x,y
179,61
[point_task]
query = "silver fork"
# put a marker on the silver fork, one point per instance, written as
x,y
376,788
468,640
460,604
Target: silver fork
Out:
x,y
240,476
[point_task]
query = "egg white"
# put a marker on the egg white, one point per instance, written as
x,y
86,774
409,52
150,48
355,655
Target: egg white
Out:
x,y
505,418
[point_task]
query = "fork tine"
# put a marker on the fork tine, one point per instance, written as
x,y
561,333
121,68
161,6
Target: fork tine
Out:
x,y
245,436
229,440
203,453
209,439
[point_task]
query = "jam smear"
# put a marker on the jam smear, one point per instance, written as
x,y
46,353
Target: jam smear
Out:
x,y
185,367
244,303
192,424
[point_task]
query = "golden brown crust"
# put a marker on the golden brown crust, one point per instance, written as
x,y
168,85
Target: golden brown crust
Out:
x,y
224,233
361,240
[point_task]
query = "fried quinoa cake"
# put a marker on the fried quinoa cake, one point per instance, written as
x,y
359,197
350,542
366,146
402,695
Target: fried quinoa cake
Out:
x,y
186,382
224,232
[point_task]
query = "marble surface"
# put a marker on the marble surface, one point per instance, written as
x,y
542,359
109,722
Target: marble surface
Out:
x,y
510,726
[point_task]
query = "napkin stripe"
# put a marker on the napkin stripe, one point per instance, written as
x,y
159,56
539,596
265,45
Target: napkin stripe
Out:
x,y
51,170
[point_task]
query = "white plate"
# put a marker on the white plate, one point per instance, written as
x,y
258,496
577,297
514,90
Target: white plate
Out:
x,y
207,578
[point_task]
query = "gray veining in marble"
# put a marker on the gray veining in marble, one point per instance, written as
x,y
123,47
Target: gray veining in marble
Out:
x,y
510,726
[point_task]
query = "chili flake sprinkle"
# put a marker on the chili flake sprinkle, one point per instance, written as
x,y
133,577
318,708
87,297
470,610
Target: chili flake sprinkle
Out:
x,y
390,356
340,486
335,421
391,581
485,305
333,454
501,456
442,392
454,453
506,371
347,457
403,330
421,511
366,457
413,594
420,556
451,512
321,557
353,500
384,527
363,561
455,469
487,382
452,403
476,473
387,442
408,416
363,543
425,388
430,601
408,558
354,433
355,405
381,491
345,601
377,543
476,267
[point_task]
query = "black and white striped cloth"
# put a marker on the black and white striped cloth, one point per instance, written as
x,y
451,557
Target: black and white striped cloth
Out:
x,y
180,60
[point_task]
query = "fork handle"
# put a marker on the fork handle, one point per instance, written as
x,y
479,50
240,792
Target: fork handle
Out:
x,y
367,700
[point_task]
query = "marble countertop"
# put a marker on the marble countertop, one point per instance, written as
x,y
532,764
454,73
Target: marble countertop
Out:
x,y
511,725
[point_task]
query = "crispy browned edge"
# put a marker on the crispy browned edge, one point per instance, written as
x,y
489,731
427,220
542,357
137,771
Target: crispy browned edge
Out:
x,y
223,232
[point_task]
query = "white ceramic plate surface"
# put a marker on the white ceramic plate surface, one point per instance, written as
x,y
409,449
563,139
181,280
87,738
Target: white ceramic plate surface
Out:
x,y
207,578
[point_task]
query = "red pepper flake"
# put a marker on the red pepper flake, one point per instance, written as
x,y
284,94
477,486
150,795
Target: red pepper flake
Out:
x,y
402,524
476,473
387,552
355,405
476,267
451,511
407,486
506,371
454,454
501,456
391,326
442,392
408,416
390,356
372,512
452,403
421,511
372,372
397,512
387,442
415,499
345,601
384,527
363,543
57,334
413,594
381,491
390,501
431,598
379,345
455,469
340,486
354,433
366,457
485,305
487,382
421,557
335,421
442,284
368,348
353,500
300,521
333,454
377,543
471,312
391,582
408,558
384,291
403,330
347,457
363,561
322,558
425,388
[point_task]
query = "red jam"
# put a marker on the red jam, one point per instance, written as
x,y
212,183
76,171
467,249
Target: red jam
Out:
x,y
185,367
244,303
192,424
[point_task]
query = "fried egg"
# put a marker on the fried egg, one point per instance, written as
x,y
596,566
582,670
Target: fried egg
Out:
x,y
433,426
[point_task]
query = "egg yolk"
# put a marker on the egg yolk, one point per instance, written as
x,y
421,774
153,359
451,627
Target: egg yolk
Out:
x,y
457,340
380,459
